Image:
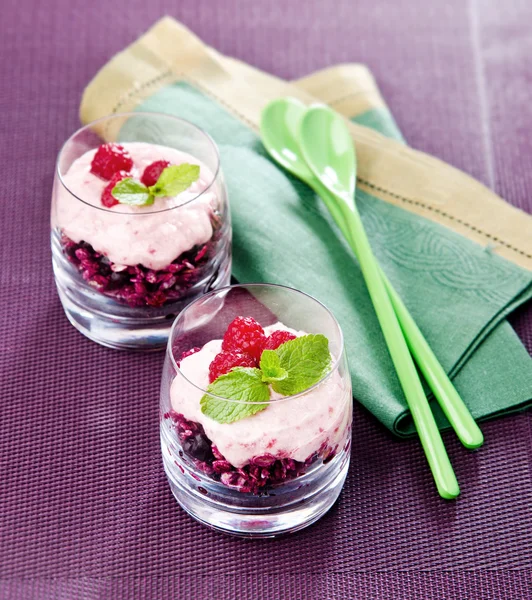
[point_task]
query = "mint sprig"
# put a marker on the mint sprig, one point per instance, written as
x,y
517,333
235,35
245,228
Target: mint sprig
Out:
x,y
245,387
291,369
306,360
270,365
175,179
134,193
172,181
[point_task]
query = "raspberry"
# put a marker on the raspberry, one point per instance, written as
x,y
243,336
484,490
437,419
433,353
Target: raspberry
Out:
x,y
109,159
225,361
108,199
276,338
153,172
245,335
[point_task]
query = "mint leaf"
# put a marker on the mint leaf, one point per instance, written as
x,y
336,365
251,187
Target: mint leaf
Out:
x,y
175,179
134,193
242,383
306,360
270,366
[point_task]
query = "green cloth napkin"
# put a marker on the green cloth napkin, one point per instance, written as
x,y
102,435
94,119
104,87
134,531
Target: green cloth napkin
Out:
x,y
457,291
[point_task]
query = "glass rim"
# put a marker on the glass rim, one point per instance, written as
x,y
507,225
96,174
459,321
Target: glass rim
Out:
x,y
137,114
336,359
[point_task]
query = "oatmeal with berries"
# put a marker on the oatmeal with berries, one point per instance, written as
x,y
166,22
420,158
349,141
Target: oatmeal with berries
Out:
x,y
291,410
157,226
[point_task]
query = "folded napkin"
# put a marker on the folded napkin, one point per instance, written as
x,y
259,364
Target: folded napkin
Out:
x,y
458,255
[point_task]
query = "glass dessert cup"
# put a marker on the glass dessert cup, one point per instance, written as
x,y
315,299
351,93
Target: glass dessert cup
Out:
x,y
275,471
123,272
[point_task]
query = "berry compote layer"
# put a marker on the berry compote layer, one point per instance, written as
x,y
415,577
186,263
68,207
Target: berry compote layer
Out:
x,y
272,446
140,255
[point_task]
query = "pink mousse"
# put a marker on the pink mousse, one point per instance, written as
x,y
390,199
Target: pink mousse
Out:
x,y
152,236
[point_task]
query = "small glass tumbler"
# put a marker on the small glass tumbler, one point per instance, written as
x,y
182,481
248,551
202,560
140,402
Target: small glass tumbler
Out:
x,y
123,272
273,472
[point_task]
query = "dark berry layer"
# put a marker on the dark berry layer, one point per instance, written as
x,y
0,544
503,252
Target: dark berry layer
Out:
x,y
139,286
255,478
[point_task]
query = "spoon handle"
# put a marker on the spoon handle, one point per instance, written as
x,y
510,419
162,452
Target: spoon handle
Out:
x,y
419,407
444,391
448,398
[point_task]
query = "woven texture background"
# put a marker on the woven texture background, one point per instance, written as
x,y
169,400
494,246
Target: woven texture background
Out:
x,y
85,511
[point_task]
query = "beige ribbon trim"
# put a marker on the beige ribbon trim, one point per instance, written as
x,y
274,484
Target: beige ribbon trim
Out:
x,y
349,89
417,182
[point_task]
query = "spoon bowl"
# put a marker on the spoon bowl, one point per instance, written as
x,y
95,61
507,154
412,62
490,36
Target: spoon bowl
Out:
x,y
279,128
328,149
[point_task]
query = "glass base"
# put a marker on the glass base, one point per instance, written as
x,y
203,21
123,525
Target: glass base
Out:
x,y
258,517
112,324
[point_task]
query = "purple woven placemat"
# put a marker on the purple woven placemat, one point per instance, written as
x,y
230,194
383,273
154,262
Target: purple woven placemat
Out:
x,y
85,509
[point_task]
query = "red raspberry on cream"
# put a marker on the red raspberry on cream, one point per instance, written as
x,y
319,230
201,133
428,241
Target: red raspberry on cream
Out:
x,y
244,335
109,159
153,171
225,361
275,339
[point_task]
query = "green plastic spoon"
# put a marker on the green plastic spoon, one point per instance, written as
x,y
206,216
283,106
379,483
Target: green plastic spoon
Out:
x,y
327,147
280,128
